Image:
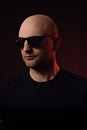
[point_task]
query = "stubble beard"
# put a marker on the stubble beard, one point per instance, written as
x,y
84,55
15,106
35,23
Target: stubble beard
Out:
x,y
34,64
39,64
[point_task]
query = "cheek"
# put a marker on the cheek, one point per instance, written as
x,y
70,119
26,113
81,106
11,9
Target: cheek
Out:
x,y
21,52
45,55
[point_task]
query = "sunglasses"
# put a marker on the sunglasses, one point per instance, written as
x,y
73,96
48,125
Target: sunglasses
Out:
x,y
34,41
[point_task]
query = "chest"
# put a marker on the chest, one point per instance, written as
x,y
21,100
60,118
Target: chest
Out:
x,y
44,95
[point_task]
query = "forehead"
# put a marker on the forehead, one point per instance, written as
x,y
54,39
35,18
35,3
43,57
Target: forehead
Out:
x,y
36,26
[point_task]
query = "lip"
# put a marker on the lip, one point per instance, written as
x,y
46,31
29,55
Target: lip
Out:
x,y
29,57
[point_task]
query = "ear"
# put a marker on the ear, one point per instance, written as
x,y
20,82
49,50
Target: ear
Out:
x,y
57,43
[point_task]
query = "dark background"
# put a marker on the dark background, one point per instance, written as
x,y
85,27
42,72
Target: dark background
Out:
x,y
71,18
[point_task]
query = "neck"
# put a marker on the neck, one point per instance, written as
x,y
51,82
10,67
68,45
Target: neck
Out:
x,y
44,74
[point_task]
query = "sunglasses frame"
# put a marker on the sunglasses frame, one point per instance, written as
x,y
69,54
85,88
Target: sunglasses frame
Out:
x,y
32,40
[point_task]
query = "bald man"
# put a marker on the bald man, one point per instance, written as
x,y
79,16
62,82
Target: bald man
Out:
x,y
44,90
41,59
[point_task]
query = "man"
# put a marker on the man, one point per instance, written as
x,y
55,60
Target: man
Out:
x,y
45,90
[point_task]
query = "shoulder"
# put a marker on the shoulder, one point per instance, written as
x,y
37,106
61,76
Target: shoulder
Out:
x,y
14,81
72,81
70,76
75,80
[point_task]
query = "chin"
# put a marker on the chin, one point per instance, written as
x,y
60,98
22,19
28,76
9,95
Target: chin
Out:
x,y
30,65
34,65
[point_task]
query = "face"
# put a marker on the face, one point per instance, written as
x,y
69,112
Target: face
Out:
x,y
38,57
41,56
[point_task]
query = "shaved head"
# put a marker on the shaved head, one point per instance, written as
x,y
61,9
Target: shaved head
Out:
x,y
37,25
42,57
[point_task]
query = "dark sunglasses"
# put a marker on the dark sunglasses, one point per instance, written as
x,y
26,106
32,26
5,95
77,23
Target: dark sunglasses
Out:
x,y
34,41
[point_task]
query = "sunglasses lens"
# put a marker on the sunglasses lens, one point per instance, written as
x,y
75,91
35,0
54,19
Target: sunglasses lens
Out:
x,y
35,41
20,43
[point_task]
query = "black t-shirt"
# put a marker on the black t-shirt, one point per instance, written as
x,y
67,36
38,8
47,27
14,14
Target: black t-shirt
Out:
x,y
64,96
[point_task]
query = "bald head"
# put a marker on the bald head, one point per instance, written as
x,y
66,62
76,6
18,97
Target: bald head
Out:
x,y
37,25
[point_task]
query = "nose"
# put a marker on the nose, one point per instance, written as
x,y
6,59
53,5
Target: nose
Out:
x,y
27,47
